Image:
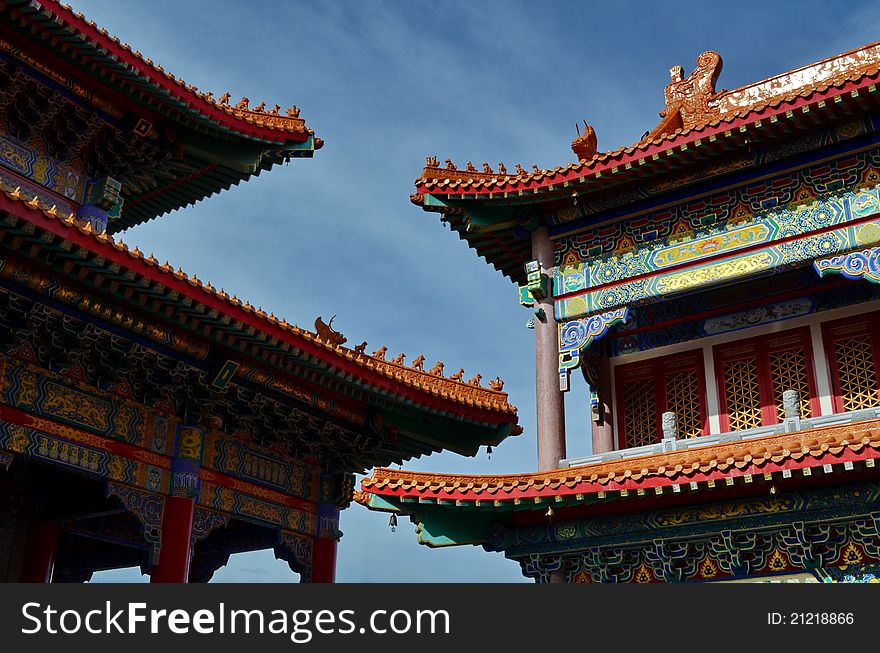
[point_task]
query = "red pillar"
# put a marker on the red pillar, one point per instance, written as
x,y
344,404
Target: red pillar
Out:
x,y
603,430
324,560
39,554
550,400
175,551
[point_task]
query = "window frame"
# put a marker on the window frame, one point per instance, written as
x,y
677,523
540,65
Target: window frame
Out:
x,y
658,369
871,323
762,348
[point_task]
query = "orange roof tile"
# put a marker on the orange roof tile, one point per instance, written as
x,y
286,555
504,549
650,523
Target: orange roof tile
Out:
x,y
466,393
684,119
239,116
803,449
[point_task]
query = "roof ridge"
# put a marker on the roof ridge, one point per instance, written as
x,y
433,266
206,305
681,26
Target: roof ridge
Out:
x,y
188,94
692,106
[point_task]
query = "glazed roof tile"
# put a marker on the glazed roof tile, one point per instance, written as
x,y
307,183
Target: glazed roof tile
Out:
x,y
805,449
814,83
263,124
490,402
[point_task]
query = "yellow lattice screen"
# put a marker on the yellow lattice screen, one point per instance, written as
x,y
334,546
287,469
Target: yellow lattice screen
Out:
x,y
788,371
682,398
855,367
742,394
639,414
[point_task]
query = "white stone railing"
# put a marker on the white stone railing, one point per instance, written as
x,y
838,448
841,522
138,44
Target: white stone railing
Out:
x,y
671,443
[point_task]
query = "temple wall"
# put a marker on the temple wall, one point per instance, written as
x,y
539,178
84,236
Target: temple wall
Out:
x,y
817,347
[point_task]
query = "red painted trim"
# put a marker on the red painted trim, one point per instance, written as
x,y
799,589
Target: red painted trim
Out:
x,y
732,308
121,256
621,158
160,80
722,256
593,487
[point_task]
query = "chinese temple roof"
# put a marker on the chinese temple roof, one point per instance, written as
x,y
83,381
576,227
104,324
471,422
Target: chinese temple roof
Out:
x,y
214,142
772,458
463,413
492,209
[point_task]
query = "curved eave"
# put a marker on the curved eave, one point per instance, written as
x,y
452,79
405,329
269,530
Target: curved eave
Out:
x,y
200,185
118,60
636,162
478,407
507,250
825,450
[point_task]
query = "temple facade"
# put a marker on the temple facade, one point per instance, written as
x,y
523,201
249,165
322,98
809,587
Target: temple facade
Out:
x,y
148,418
710,295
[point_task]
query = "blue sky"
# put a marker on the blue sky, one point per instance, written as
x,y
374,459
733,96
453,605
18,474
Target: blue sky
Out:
x,y
386,84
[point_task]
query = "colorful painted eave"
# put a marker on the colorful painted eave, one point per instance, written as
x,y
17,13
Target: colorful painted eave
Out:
x,y
95,44
444,396
697,470
822,86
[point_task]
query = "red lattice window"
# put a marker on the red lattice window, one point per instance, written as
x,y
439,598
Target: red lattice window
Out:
x,y
647,389
851,347
753,374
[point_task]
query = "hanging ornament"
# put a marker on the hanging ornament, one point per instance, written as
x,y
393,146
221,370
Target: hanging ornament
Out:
x,y
393,522
489,452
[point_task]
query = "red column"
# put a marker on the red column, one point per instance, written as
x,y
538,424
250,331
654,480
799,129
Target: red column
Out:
x,y
603,430
39,554
549,399
324,560
175,551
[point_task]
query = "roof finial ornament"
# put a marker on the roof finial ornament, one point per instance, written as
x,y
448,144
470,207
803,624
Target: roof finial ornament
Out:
x,y
380,353
361,348
224,99
293,112
585,145
432,162
497,384
458,375
470,167
260,108
502,168
243,104
419,363
398,360
437,370
520,170
476,380
487,168
689,100
275,110
327,333
450,165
